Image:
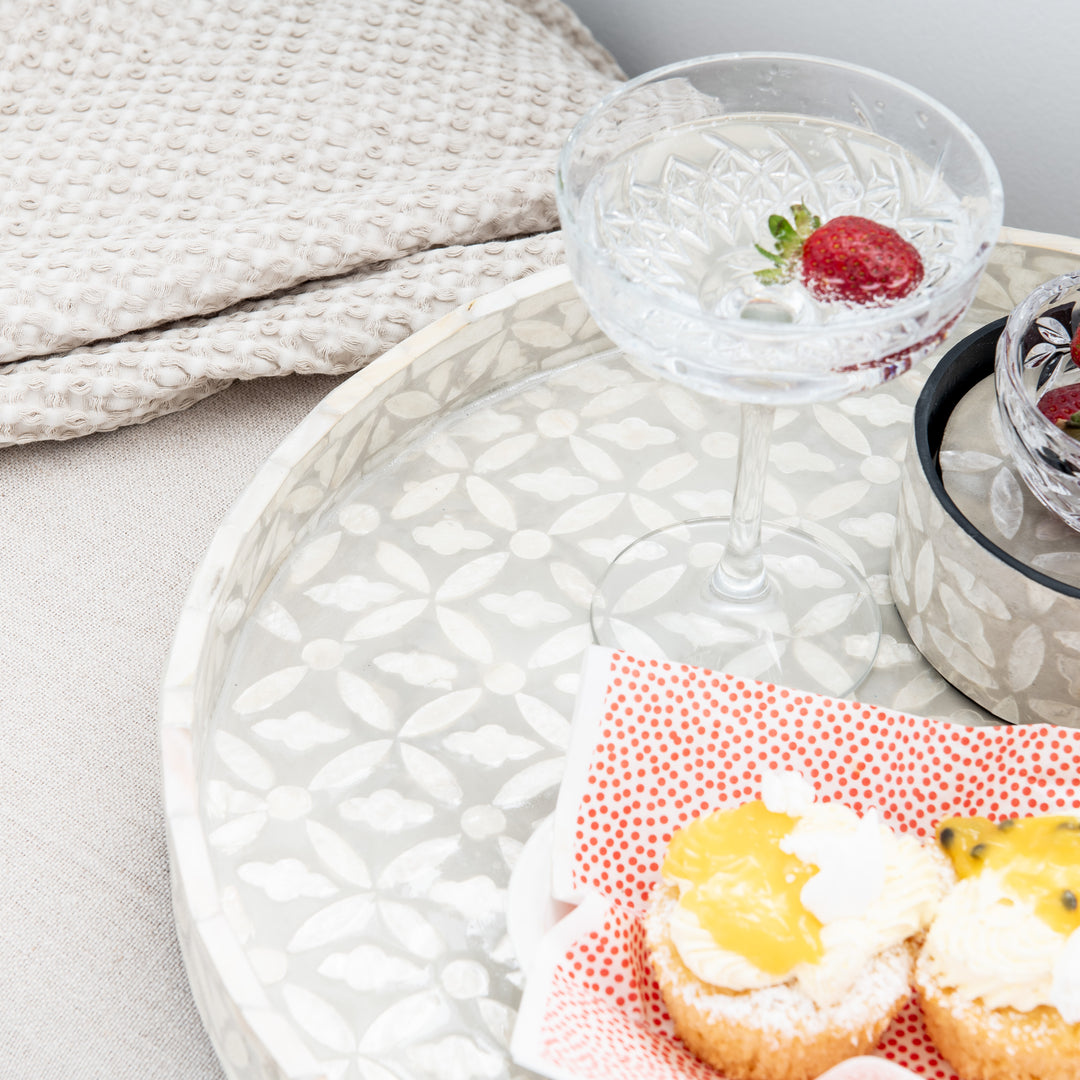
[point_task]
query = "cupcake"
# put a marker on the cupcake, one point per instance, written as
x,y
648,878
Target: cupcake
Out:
x,y
783,932
999,974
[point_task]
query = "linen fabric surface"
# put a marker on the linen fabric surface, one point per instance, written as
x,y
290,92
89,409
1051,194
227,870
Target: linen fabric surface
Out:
x,y
192,193
100,538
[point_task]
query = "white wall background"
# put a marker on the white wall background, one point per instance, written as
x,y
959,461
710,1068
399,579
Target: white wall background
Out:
x,y
1010,68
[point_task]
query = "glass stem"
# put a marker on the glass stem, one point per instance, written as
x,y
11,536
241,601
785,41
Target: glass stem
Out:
x,y
740,573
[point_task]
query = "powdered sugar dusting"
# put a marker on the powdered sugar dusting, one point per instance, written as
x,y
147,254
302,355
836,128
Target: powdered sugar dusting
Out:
x,y
784,1010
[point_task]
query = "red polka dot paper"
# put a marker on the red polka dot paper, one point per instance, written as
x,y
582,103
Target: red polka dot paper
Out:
x,y
656,744
592,1008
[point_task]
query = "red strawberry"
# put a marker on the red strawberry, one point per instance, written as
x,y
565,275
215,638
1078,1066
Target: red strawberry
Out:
x,y
850,258
1061,406
1074,348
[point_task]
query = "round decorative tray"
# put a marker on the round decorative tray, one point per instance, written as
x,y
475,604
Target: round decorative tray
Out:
x,y
368,698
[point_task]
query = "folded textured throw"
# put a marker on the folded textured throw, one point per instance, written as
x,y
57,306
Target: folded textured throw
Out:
x,y
197,192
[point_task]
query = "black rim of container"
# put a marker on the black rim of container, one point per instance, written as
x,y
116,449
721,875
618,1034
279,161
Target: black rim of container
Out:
x,y
968,362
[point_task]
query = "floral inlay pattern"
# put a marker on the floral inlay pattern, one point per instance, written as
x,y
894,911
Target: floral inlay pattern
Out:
x,y
385,657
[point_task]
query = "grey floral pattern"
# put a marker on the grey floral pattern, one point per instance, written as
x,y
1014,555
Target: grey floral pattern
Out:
x,y
372,683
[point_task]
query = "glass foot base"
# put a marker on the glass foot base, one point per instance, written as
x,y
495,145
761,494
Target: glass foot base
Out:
x,y
816,628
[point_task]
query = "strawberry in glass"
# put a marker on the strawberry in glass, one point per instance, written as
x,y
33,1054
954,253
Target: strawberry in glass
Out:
x,y
1061,406
849,259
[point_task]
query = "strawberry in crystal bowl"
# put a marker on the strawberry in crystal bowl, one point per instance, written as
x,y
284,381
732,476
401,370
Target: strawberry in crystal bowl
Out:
x,y
1037,382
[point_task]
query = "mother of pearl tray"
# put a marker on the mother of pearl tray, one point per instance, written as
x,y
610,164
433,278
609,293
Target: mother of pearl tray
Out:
x,y
366,707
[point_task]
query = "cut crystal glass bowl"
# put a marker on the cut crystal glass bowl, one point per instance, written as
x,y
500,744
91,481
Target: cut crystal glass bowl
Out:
x,y
1033,357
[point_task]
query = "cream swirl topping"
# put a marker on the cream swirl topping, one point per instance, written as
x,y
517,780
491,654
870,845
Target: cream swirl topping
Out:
x,y
872,890
987,944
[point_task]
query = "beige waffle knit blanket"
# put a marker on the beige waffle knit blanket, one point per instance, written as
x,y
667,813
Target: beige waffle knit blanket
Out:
x,y
201,191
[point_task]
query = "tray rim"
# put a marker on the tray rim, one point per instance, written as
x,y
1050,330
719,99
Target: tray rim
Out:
x,y
195,900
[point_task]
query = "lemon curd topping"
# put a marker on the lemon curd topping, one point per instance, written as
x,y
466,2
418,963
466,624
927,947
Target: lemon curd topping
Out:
x,y
743,889
1038,859
792,891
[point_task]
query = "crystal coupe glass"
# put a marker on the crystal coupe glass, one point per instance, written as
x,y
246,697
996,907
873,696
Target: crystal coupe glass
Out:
x,y
665,189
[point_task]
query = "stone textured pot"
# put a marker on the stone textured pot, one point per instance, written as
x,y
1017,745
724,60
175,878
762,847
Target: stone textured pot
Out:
x,y
1002,632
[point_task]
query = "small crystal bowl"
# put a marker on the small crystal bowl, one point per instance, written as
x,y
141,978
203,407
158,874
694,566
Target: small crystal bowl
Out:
x,y
1032,357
